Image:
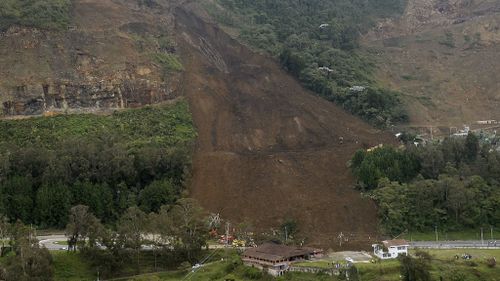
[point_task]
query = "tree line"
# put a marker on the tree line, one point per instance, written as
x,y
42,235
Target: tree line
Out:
x,y
317,42
453,184
175,233
109,163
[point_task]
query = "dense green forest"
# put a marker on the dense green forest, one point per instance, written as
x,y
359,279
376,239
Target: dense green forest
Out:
x,y
47,14
317,41
109,163
453,184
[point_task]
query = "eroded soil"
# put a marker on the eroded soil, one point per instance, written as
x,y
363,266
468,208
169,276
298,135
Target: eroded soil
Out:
x,y
268,150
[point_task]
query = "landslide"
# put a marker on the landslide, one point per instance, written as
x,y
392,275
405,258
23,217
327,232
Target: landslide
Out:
x,y
268,150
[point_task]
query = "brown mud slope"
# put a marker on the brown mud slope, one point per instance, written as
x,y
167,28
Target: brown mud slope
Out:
x,y
269,150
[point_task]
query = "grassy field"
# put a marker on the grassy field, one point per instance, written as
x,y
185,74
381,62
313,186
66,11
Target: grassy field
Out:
x,y
70,266
444,264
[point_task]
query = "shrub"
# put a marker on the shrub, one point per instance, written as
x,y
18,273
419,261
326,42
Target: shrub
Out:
x,y
45,14
252,273
233,265
168,62
491,263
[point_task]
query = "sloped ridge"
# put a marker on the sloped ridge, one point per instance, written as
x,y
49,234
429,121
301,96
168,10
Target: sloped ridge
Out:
x,y
442,54
94,65
268,149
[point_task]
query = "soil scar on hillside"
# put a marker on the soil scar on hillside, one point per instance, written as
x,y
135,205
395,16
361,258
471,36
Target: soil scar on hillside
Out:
x,y
268,150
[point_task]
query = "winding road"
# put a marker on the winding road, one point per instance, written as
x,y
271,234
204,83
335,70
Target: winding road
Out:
x,y
50,242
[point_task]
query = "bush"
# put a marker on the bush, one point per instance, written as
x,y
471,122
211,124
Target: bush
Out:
x,y
168,62
491,263
45,14
232,266
252,273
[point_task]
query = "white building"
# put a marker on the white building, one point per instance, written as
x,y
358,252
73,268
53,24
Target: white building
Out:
x,y
391,249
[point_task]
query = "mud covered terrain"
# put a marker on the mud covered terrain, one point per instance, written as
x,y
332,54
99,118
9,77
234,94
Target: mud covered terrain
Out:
x,y
268,150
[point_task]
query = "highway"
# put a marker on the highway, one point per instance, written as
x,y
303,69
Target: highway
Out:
x,y
49,242
456,244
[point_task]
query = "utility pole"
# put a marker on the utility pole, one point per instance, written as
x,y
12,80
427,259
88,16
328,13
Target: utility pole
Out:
x,y
340,237
491,232
286,234
482,236
436,232
227,234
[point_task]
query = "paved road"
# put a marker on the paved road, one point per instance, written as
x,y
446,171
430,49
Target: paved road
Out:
x,y
456,244
49,242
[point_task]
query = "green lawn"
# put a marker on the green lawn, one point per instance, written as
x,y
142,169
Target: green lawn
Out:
x,y
69,266
318,264
384,270
445,265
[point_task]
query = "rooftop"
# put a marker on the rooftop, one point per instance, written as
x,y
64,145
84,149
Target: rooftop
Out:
x,y
275,252
395,243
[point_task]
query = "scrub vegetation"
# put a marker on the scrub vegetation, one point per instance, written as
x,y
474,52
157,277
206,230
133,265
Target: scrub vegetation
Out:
x,y
45,14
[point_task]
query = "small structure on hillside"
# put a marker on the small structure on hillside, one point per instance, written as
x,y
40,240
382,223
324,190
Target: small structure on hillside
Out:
x,y
391,249
275,259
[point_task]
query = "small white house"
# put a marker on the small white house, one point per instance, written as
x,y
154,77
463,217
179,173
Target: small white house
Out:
x,y
391,249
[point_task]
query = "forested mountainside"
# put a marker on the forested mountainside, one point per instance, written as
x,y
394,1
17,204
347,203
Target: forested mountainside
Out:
x,y
318,43
260,134
272,87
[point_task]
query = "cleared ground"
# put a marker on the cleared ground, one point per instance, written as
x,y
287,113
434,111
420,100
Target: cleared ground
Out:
x,y
268,150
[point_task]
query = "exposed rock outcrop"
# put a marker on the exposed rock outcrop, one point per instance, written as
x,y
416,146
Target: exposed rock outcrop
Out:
x,y
105,60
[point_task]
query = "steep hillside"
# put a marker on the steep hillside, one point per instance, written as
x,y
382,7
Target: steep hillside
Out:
x,y
111,54
268,150
443,55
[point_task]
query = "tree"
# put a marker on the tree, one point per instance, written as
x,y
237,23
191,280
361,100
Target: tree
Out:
x,y
190,227
471,147
414,269
29,262
131,228
432,161
52,205
156,194
17,198
4,232
81,224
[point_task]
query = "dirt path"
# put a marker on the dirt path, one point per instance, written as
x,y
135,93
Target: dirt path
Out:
x,y
268,150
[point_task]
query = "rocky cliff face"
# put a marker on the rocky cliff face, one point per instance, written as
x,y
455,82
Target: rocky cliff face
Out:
x,y
104,61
